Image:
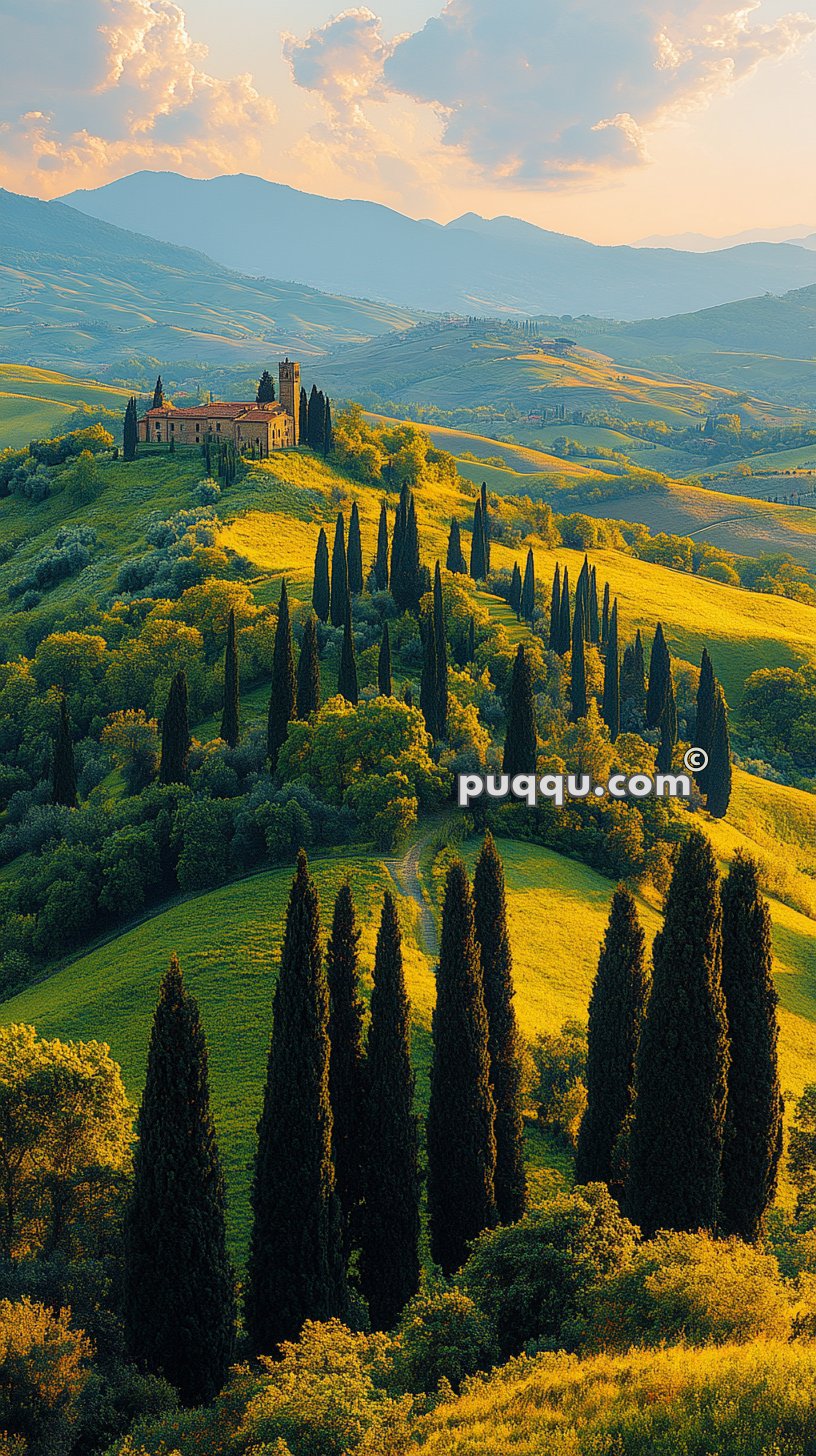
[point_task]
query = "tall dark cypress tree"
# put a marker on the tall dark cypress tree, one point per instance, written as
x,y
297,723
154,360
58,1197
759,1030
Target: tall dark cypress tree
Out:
x,y
485,526
605,615
347,682
514,595
676,1142
753,1130
321,594
554,638
718,778
633,685
389,1259
381,559
668,730
346,1062
504,1044
179,1287
408,581
528,588
706,695
328,428
616,1010
455,560
266,389
308,673
175,741
611,689
593,624
355,553
461,1113
316,419
283,697
339,574
521,739
230,718
478,568
659,674
303,418
578,682
158,394
63,774
296,1270
427,685
384,683
582,593
564,618
397,544
440,657
130,431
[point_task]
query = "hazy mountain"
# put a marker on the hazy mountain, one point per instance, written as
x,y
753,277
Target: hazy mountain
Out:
x,y
702,243
471,265
73,288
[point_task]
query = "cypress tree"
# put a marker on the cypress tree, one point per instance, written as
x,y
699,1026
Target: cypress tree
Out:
x,y
316,419
355,553
440,657
408,582
389,1259
339,574
308,673
158,394
616,1009
130,431
582,592
303,418
668,730
427,685
266,389
455,560
528,588
381,559
478,570
611,688
515,590
398,542
328,429
593,624
461,1112
346,1062
485,527
175,742
230,718
521,740
676,1143
295,1270
347,684
578,684
554,639
718,779
633,684
564,619
504,1045
321,595
706,695
384,683
605,615
283,697
63,775
179,1288
753,1130
659,674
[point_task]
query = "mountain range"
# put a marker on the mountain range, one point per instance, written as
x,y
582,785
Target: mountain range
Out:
x,y
472,265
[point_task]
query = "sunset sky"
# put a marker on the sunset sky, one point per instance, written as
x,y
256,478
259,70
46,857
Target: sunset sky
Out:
x,y
612,121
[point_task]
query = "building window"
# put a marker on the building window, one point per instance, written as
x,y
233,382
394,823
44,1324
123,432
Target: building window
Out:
x,y
218,429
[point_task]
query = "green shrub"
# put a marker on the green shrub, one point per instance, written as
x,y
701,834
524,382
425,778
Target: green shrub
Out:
x,y
440,1337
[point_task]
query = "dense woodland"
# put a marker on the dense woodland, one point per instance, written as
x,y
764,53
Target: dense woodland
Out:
x,y
173,733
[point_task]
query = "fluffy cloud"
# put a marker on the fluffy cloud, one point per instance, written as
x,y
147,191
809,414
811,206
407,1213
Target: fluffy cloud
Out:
x,y
538,91
117,84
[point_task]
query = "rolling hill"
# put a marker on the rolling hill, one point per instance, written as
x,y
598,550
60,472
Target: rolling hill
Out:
x,y
472,265
76,291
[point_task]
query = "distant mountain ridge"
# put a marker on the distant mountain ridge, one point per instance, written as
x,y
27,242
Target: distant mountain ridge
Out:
x,y
469,266
74,289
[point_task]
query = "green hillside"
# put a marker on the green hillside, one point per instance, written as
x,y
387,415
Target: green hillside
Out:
x,y
36,402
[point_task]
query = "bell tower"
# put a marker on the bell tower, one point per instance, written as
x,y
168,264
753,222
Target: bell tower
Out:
x,y
289,392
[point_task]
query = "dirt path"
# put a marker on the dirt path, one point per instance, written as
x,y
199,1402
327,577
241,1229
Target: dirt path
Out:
x,y
405,874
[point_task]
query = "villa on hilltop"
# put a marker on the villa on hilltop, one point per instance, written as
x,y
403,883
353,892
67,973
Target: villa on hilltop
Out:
x,y
252,427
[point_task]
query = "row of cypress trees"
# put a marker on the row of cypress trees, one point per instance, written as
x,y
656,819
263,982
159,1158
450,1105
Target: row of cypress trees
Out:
x,y
684,1109
396,564
315,424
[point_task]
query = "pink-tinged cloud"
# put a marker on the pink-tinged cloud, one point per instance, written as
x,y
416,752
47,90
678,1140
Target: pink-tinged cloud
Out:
x,y
539,92
120,83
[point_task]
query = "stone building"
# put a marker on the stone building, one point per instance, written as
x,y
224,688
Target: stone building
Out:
x,y
253,428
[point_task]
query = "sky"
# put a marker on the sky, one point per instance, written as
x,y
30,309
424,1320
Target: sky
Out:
x,y
612,121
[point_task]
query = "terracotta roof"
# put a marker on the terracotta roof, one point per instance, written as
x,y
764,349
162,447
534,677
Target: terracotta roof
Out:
x,y
257,412
219,409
